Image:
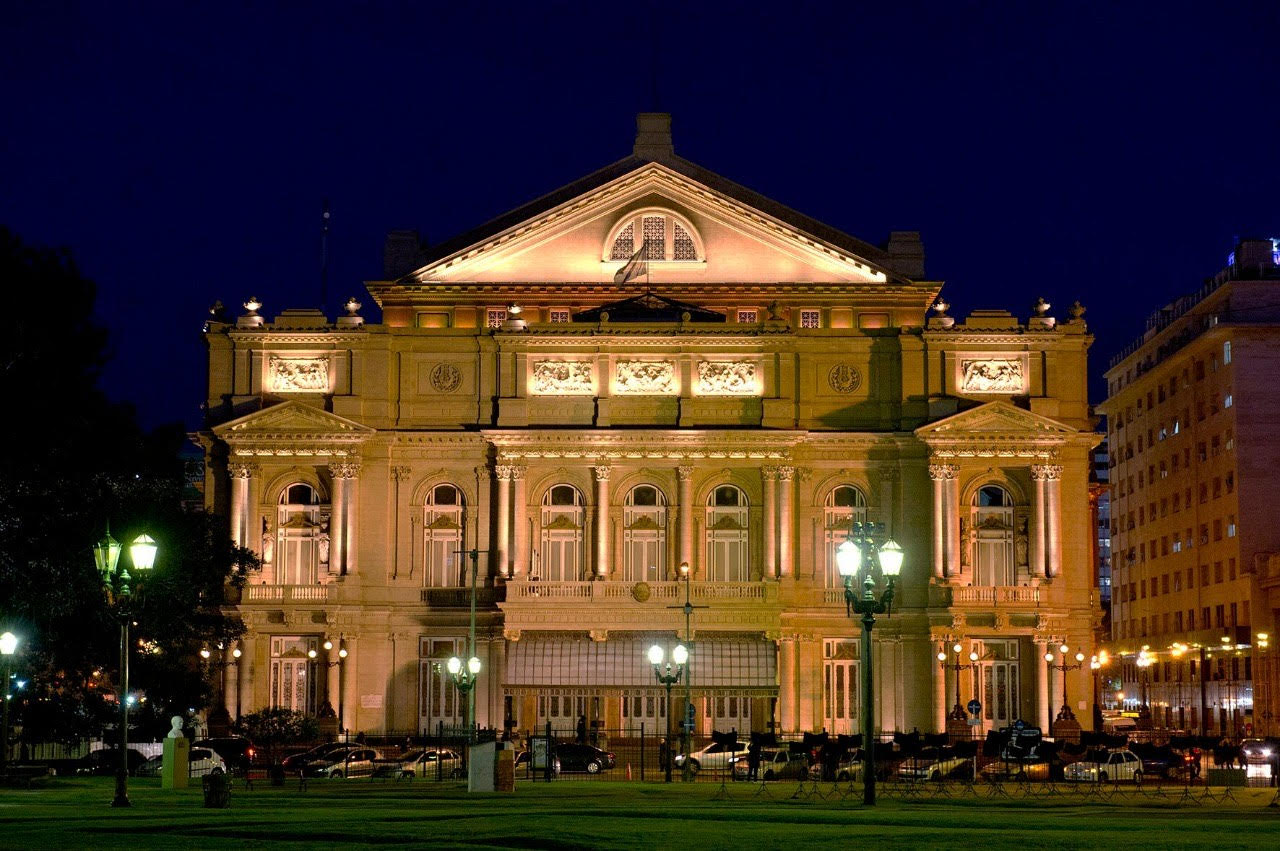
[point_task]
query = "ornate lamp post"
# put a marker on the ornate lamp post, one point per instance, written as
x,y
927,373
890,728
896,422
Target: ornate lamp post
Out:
x,y
8,646
665,677
464,679
1096,664
1065,714
1143,662
859,553
342,672
957,711
115,580
686,722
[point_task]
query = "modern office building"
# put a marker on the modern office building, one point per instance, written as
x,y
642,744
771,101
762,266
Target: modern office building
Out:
x,y
1191,424
649,368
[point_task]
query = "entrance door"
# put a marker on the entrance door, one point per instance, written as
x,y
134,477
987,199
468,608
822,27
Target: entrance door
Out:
x,y
996,680
438,701
840,687
293,672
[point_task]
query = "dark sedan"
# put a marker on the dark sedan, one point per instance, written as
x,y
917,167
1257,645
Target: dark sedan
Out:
x,y
577,757
106,762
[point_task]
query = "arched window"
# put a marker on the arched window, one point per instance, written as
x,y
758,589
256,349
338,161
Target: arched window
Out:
x,y
562,520
302,536
443,523
727,522
845,504
991,534
644,534
663,235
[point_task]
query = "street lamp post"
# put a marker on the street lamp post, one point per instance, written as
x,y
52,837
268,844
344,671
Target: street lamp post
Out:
x,y
464,679
664,676
1096,664
1063,666
857,553
115,579
329,663
686,722
1143,662
957,711
8,646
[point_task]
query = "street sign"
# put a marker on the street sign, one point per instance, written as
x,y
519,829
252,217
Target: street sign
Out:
x,y
975,707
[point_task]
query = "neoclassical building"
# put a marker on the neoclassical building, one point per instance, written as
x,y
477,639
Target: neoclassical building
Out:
x,y
649,367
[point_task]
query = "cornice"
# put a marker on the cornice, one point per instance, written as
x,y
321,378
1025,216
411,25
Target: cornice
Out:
x,y
268,335
653,444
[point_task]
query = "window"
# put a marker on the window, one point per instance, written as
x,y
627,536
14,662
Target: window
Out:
x,y
726,536
1226,352
561,558
558,315
438,696
1227,401
663,236
992,520
810,319
844,505
644,534
293,679
840,686
495,316
748,317
442,538
1231,526
302,537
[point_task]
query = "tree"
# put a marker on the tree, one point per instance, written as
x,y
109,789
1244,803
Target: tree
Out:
x,y
274,728
74,462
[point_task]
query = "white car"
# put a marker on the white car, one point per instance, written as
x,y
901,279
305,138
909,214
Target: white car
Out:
x,y
1116,765
714,756
200,761
933,765
425,762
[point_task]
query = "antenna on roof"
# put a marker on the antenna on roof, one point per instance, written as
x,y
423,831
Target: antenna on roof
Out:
x,y
324,257
654,32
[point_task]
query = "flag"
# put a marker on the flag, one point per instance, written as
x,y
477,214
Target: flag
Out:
x,y
633,268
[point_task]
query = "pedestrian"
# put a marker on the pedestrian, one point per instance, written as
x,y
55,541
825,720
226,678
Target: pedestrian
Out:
x,y
582,729
753,760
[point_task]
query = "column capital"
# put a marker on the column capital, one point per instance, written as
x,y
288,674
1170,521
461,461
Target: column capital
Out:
x,y
941,470
890,474
345,469
602,472
684,472
400,473
769,472
503,472
242,469
786,473
518,471
1046,472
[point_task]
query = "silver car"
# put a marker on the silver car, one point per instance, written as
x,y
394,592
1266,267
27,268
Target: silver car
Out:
x,y
353,763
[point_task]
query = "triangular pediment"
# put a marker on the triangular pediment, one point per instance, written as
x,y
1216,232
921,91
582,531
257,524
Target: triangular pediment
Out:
x,y
562,239
293,421
995,418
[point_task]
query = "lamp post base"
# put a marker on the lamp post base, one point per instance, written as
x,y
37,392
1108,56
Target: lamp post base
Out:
x,y
122,790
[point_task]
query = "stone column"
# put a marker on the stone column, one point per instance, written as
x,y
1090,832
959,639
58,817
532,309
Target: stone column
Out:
x,y
231,689
786,521
1053,520
502,519
342,558
1037,532
334,676
953,520
888,514
1043,712
938,475
602,521
401,517
240,475
788,717
519,522
350,687
684,495
769,475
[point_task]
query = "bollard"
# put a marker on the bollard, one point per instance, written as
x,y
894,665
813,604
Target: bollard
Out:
x,y
217,791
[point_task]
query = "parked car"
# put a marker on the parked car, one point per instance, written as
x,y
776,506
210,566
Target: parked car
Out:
x,y
296,761
1257,750
1166,761
714,756
106,762
423,762
358,762
524,760
935,764
1017,768
775,764
1113,765
236,751
578,757
200,762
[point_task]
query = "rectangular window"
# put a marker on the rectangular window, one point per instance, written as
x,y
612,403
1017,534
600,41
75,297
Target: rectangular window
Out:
x,y
810,319
748,317
495,316
1231,526
1226,352
558,314
1227,401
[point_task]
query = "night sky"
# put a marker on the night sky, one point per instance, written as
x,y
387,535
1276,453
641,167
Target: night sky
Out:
x,y
183,151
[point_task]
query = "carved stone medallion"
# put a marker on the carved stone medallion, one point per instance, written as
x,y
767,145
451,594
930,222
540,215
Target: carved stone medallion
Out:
x,y
844,378
641,592
445,378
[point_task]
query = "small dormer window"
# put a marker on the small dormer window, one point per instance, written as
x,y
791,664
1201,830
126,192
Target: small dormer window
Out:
x,y
659,235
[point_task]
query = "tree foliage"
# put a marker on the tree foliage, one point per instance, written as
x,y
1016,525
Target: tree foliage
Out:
x,y
273,728
75,462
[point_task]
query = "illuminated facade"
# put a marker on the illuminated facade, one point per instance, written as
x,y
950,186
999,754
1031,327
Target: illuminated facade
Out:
x,y
731,404
1190,418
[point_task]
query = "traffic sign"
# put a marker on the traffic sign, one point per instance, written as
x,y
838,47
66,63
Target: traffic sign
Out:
x,y
975,707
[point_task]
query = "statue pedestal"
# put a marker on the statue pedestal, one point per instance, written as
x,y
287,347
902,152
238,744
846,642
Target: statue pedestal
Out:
x,y
1066,730
174,768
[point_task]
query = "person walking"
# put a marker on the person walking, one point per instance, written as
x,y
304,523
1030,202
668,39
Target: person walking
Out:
x,y
753,760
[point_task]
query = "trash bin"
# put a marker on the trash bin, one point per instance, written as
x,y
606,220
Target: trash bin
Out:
x,y
217,791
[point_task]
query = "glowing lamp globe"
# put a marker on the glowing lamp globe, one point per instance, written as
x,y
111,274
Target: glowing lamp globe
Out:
x,y
106,555
942,657
143,552
680,655
848,557
655,655
473,665
454,664
891,558
8,644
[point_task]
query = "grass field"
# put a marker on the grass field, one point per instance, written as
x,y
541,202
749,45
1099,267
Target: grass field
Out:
x,y
75,814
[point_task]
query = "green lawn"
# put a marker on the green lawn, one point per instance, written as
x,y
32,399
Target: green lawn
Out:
x,y
75,814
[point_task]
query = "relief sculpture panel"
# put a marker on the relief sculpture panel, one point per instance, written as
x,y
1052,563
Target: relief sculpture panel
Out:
x,y
645,377
727,378
992,375
562,378
297,375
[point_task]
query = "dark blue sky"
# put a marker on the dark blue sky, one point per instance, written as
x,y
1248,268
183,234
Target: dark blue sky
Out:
x,y
183,150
